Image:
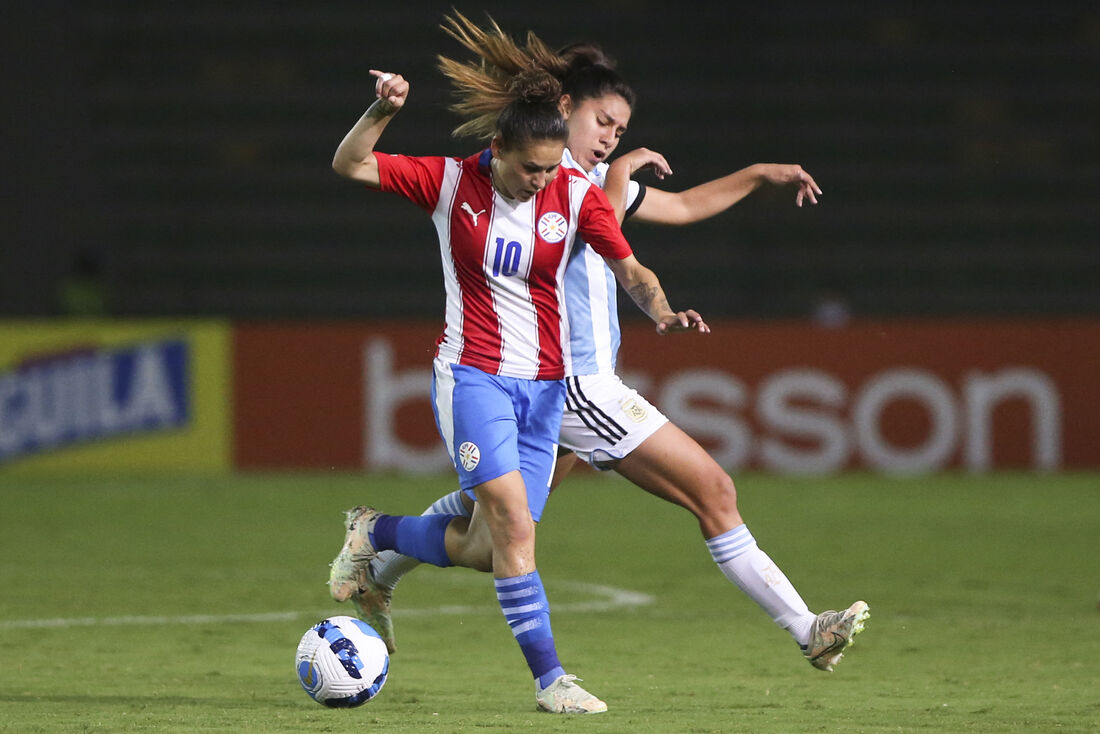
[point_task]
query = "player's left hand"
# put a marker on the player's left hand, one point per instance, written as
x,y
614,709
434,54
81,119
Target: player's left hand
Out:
x,y
688,320
783,174
642,159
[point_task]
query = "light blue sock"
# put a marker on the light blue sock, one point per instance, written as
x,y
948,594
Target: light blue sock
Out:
x,y
449,504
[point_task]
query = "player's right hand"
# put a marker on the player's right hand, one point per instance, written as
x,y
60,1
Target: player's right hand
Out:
x,y
391,88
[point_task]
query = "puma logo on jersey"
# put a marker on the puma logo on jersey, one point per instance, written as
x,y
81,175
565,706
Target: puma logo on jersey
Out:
x,y
470,210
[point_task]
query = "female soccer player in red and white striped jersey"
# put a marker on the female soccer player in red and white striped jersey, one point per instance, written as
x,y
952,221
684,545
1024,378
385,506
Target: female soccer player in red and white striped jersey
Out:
x,y
506,219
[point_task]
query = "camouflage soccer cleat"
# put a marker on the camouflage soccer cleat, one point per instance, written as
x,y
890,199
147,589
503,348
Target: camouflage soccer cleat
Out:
x,y
348,568
563,696
832,633
373,602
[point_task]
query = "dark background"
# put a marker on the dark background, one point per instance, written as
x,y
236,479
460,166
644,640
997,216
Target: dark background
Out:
x,y
177,154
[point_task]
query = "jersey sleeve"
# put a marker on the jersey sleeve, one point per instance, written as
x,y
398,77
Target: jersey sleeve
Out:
x,y
598,226
416,178
635,194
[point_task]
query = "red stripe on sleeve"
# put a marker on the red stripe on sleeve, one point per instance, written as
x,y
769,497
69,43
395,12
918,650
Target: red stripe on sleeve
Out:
x,y
416,178
598,226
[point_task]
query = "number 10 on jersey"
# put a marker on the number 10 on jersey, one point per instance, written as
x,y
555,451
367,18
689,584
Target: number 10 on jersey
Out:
x,y
506,259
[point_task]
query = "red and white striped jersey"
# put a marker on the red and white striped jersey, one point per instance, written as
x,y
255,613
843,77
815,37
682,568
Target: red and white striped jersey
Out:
x,y
503,260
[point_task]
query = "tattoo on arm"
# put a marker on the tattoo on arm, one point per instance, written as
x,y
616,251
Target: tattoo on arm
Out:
x,y
380,108
651,299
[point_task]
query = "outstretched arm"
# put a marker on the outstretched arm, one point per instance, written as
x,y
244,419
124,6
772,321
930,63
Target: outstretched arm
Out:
x,y
642,285
705,200
354,157
616,182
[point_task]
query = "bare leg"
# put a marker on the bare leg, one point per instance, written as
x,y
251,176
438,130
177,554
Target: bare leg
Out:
x,y
673,466
502,506
469,542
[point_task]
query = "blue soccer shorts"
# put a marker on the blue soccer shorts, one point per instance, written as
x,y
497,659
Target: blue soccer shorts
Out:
x,y
493,425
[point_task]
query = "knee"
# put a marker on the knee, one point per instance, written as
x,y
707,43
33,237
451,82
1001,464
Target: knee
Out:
x,y
516,529
512,535
721,494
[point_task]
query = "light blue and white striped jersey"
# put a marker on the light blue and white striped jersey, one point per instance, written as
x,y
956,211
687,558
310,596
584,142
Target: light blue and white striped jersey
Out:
x,y
591,306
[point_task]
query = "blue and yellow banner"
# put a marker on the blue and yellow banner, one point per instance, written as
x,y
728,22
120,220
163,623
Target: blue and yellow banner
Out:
x,y
109,396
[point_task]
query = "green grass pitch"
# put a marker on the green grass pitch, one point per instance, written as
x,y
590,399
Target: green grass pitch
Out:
x,y
174,604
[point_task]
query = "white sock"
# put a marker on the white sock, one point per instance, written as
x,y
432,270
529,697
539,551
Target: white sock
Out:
x,y
389,566
752,571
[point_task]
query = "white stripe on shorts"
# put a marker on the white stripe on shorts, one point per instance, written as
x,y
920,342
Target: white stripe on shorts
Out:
x,y
444,403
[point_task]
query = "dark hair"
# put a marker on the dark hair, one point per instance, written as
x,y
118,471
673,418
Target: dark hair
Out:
x,y
533,114
585,53
591,73
496,93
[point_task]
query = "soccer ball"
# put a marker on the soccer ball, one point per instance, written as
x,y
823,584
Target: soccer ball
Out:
x,y
342,662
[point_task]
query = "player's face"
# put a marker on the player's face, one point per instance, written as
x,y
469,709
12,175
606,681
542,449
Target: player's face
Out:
x,y
595,126
523,171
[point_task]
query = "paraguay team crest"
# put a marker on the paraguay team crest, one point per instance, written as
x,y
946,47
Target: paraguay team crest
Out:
x,y
553,227
469,455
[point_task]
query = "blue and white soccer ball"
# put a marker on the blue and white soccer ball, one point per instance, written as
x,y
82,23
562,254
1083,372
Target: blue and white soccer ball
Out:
x,y
342,662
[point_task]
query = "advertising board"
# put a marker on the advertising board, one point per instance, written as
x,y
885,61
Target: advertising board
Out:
x,y
114,395
897,397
